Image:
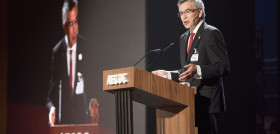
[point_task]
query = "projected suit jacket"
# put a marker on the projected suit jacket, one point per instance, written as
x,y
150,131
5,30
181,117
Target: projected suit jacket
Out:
x,y
209,51
73,110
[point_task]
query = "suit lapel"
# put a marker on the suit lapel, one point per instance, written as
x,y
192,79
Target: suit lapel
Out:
x,y
79,52
63,54
77,65
196,40
183,48
62,64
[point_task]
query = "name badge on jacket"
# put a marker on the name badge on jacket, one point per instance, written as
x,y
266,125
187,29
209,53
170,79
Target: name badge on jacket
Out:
x,y
80,84
195,55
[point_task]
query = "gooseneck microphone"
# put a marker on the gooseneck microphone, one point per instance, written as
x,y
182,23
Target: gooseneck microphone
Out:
x,y
195,18
172,44
154,50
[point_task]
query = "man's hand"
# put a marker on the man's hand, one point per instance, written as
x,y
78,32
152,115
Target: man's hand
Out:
x,y
161,73
94,110
190,72
52,116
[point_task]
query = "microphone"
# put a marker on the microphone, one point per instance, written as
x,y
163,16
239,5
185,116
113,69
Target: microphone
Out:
x,y
172,44
154,50
195,18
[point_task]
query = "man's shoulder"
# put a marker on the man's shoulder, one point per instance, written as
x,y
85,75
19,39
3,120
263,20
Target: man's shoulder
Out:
x,y
184,34
211,29
82,44
82,41
58,46
212,32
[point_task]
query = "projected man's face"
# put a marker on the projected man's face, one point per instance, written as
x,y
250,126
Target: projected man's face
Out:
x,y
71,27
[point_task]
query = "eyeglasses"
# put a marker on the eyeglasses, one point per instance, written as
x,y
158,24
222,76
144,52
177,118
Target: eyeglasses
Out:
x,y
187,11
71,23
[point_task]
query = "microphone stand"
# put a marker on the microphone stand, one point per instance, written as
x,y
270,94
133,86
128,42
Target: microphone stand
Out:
x,y
155,50
159,55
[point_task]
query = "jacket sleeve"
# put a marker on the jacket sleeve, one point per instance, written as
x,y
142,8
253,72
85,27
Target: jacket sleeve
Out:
x,y
51,94
217,54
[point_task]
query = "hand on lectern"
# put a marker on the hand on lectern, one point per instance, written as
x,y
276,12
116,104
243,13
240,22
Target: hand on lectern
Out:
x,y
52,116
189,73
161,73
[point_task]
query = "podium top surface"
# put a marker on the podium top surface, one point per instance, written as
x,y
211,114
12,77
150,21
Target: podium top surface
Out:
x,y
149,89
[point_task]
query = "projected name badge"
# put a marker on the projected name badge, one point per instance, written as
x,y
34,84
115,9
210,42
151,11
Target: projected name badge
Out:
x,y
117,79
80,84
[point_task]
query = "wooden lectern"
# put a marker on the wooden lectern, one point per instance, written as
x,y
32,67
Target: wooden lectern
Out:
x,y
174,102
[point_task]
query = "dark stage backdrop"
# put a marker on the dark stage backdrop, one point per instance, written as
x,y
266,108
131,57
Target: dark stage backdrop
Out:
x,y
115,31
235,20
3,65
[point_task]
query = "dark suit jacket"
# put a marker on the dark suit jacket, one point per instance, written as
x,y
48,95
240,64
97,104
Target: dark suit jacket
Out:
x,y
213,60
73,111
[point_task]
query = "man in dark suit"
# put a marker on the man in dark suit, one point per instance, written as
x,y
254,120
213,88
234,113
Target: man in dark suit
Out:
x,y
204,62
67,99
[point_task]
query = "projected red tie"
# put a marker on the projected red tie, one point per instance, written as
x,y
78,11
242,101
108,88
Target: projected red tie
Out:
x,y
71,76
190,42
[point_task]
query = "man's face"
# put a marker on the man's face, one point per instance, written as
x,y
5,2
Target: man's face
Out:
x,y
71,27
190,14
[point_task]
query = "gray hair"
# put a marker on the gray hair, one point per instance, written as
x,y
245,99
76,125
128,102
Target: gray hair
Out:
x,y
199,4
68,5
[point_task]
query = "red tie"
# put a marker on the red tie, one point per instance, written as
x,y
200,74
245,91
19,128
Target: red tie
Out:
x,y
70,75
190,42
